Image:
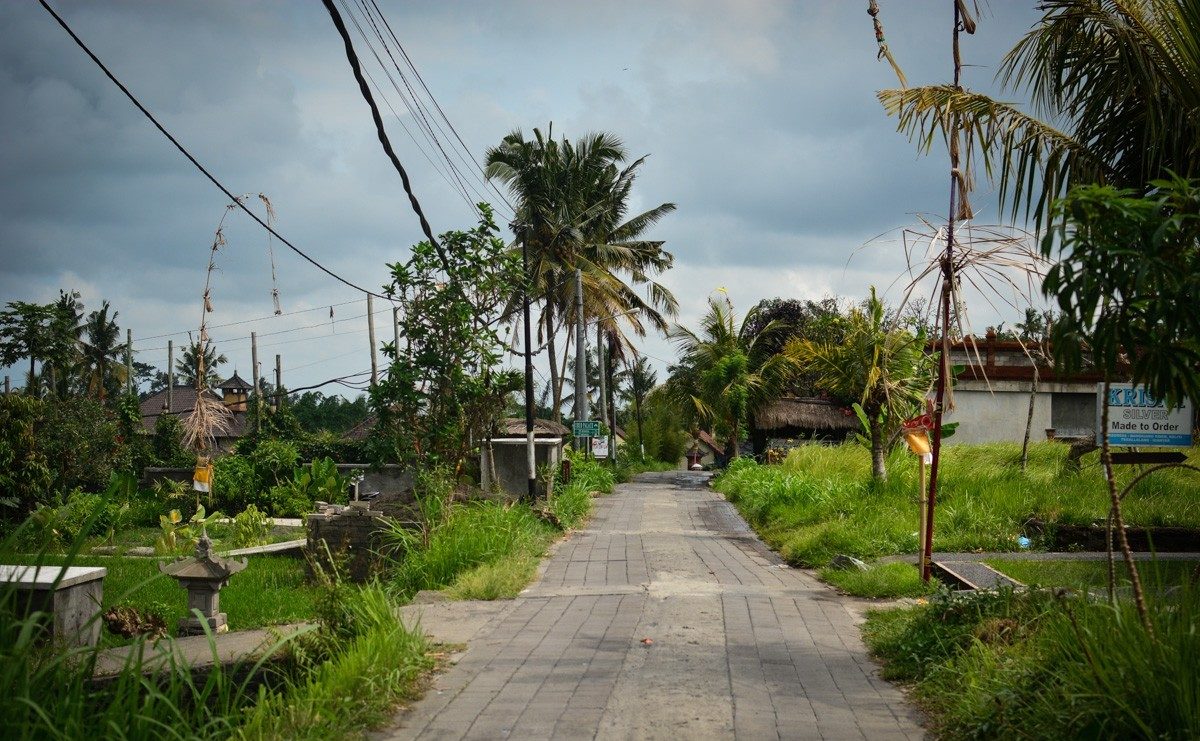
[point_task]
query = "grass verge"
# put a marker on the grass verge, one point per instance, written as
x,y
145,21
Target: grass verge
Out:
x,y
490,550
1004,665
878,581
1093,574
821,501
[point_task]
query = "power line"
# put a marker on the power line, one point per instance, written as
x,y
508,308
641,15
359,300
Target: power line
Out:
x,y
228,193
249,321
363,88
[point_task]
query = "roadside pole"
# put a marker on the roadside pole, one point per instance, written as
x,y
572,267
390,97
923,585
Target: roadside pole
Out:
x,y
170,375
530,457
129,361
581,403
257,385
278,383
371,339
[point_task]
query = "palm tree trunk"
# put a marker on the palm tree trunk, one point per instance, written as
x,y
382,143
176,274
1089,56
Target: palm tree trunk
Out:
x,y
1033,390
878,469
556,388
29,384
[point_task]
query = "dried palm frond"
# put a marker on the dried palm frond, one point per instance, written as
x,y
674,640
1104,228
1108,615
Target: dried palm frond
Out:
x,y
209,418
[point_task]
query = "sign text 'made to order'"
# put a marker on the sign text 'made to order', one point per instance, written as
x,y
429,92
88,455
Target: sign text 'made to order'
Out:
x,y
1138,419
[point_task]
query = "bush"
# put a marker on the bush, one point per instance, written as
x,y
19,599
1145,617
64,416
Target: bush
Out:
x,y
25,475
273,461
251,527
167,443
236,485
319,481
81,441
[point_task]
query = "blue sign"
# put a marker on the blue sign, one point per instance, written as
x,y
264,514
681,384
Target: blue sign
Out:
x,y
1137,419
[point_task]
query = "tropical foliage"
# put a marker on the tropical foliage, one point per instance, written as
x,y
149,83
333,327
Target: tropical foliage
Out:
x,y
444,381
725,371
883,368
572,203
1117,85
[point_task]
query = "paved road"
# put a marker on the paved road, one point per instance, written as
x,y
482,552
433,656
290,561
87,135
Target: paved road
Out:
x,y
666,618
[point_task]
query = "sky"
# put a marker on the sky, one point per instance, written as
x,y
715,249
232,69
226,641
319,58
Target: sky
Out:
x,y
759,119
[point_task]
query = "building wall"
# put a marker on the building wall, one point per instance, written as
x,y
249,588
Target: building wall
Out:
x,y
998,414
510,465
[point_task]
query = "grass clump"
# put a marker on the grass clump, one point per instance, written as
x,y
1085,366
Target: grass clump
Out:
x,y
879,580
821,500
1005,665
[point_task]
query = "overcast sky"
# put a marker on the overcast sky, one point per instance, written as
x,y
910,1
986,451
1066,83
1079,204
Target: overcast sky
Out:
x,y
759,118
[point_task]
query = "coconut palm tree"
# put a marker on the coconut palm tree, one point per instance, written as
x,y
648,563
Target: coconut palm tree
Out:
x,y
572,204
101,351
185,367
884,367
724,374
1117,86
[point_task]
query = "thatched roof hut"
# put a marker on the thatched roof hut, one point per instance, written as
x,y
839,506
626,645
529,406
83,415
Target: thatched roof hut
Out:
x,y
805,413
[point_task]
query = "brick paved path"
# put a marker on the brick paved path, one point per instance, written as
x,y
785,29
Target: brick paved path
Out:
x,y
742,646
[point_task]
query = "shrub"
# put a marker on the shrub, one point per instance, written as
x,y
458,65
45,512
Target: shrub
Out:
x,y
273,461
319,481
81,441
251,527
25,475
235,484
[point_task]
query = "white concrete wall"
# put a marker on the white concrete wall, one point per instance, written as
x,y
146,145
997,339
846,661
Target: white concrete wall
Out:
x,y
986,417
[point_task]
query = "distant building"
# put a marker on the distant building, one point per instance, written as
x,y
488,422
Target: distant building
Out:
x,y
235,394
991,395
790,420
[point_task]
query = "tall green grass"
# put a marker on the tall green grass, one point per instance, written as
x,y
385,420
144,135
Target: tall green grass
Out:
x,y
488,549
368,661
821,500
1039,666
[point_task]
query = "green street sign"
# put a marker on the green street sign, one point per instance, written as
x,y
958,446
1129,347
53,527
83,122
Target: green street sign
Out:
x,y
586,428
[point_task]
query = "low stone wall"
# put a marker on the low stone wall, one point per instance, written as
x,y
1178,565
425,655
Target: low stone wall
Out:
x,y
350,535
1159,539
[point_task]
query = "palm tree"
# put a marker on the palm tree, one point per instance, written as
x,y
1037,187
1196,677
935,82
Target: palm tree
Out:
x,y
185,367
1122,77
101,353
724,374
884,368
641,381
572,202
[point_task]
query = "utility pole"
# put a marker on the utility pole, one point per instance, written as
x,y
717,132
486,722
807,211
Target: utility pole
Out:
x,y
7,386
128,361
371,339
603,384
396,329
530,456
581,404
278,383
170,374
257,385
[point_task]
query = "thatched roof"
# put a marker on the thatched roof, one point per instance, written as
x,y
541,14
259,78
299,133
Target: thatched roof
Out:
x,y
515,427
806,414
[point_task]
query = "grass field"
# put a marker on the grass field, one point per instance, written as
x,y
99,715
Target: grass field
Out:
x,y
821,501
1093,574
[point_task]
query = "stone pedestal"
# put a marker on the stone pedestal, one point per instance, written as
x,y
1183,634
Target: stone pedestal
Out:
x,y
202,576
72,595
348,533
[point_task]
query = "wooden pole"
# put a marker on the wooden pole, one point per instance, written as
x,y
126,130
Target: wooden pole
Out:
x,y
371,339
278,383
924,507
581,400
257,384
170,374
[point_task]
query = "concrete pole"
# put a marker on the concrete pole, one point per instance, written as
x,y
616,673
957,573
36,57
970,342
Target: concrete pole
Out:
x,y
278,383
396,329
603,381
129,361
257,385
530,451
581,404
371,339
170,374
